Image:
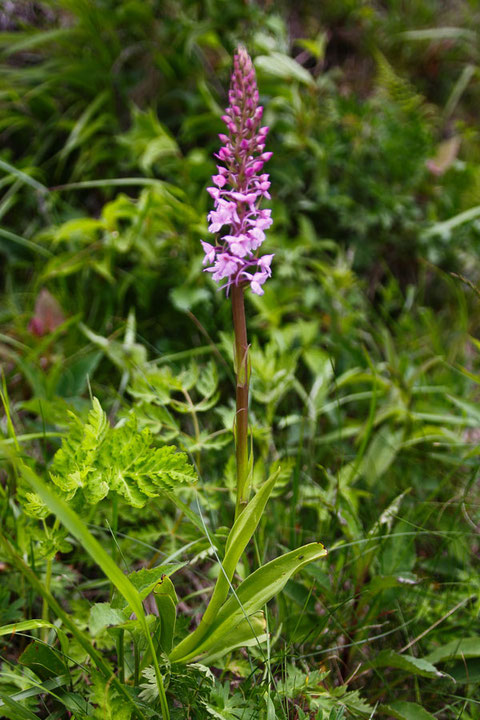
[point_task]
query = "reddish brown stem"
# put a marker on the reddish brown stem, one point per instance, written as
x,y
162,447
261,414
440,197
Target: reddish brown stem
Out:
x,y
242,378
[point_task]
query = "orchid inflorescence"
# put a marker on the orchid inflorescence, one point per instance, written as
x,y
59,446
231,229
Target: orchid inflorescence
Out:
x,y
239,187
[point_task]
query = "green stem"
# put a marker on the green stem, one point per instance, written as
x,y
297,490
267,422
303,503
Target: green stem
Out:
x,y
114,529
242,378
196,427
48,580
121,656
136,663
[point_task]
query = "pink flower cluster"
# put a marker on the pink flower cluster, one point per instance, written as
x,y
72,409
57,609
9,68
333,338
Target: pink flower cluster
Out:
x,y
239,187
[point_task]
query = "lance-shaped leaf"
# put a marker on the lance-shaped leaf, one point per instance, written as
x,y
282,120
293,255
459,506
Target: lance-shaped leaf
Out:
x,y
249,632
79,530
251,595
166,600
238,538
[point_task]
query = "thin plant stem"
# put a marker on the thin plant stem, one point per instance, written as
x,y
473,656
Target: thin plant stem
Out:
x,y
136,661
121,656
113,530
48,580
241,415
196,426
45,615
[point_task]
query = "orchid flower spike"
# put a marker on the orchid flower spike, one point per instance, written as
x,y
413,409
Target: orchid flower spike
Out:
x,y
239,187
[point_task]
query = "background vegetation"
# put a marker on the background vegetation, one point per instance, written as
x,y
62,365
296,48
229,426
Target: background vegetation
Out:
x,y
365,365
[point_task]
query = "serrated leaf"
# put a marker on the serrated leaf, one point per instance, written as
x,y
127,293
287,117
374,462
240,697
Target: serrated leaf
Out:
x,y
33,505
208,380
408,663
96,459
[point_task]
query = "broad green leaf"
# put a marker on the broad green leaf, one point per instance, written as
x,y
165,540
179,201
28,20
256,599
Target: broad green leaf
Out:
x,y
283,67
466,672
380,454
166,599
409,663
146,580
103,615
251,595
76,704
238,538
406,711
461,648
43,660
249,632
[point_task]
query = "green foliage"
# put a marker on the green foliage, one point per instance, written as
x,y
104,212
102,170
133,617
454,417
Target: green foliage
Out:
x,y
118,566
96,459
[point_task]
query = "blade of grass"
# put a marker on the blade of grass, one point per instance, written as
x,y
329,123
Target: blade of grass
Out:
x,y
75,525
56,608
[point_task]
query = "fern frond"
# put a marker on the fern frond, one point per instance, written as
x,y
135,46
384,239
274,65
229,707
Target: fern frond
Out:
x,y
96,459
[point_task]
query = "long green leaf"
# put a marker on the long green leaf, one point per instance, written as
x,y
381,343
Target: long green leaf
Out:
x,y
238,538
22,712
249,632
25,625
461,648
79,530
19,240
402,710
40,688
252,594
81,638
410,664
27,179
